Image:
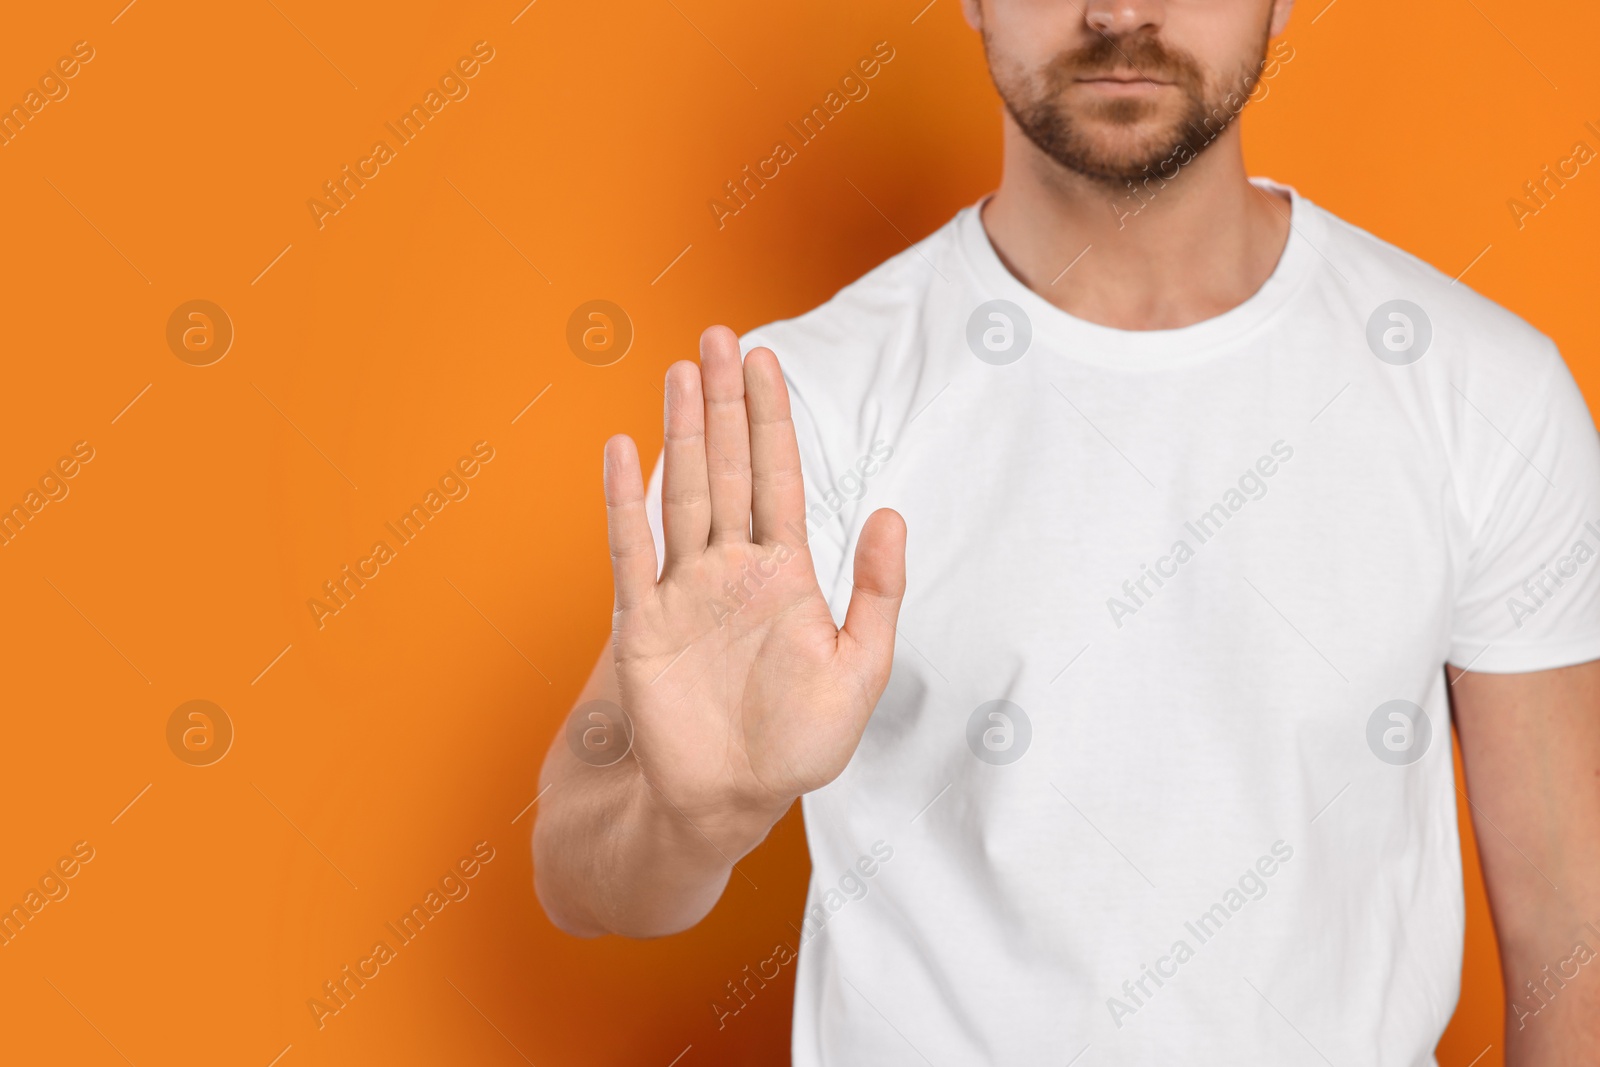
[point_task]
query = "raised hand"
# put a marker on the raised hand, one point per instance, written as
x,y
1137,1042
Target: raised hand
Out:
x,y
742,691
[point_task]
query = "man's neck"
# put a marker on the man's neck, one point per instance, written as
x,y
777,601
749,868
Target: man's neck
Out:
x,y
1170,256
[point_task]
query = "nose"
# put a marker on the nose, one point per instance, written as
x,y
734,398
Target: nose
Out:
x,y
1113,17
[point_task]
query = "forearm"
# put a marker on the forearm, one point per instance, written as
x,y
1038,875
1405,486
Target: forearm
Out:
x,y
611,855
1549,937
1530,744
1552,997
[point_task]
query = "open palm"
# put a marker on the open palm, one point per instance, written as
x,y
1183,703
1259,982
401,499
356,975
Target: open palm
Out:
x,y
741,689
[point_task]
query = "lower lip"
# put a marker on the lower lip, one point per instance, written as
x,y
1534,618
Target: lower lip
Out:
x,y
1122,88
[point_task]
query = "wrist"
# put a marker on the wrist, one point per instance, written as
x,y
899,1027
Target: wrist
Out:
x,y
728,827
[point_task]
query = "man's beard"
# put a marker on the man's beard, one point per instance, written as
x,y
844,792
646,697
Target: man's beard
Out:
x,y
1036,104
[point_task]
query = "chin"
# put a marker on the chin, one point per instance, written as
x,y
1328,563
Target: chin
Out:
x,y
1124,154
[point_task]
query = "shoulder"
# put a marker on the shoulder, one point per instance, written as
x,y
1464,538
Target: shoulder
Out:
x,y
1488,388
1467,336
863,331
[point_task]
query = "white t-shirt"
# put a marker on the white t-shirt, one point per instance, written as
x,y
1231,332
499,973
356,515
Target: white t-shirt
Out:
x,y
1163,772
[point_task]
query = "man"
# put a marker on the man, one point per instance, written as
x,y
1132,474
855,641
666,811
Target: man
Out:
x,y
1205,490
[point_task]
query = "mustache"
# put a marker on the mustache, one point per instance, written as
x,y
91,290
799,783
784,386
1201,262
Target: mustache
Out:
x,y
1142,53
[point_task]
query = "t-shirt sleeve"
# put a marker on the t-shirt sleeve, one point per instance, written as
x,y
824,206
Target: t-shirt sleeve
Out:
x,y
824,524
1531,596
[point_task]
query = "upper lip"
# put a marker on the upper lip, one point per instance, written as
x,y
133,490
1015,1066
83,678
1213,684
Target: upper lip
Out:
x,y
1127,77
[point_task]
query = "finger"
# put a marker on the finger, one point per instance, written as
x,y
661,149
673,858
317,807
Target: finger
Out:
x,y
685,492
867,640
633,551
777,494
727,435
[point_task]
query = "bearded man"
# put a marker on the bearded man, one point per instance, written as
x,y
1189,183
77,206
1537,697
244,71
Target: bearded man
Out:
x,y
1118,559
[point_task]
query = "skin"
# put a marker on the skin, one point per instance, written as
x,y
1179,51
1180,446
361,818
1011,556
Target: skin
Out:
x,y
732,722
1530,744
1203,243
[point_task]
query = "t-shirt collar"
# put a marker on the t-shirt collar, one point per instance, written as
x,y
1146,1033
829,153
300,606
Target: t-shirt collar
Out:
x,y
1077,338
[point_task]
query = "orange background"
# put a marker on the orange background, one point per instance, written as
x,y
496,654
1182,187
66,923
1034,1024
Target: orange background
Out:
x,y
425,317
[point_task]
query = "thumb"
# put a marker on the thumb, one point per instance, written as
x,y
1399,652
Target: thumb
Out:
x,y
867,640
